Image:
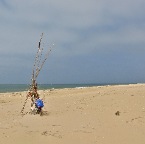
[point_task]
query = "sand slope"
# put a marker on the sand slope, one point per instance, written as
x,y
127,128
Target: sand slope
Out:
x,y
76,116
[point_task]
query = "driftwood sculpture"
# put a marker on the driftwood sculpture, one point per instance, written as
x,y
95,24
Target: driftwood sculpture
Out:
x,y
38,64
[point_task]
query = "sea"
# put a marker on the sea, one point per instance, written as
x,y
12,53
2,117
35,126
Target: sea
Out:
x,y
4,88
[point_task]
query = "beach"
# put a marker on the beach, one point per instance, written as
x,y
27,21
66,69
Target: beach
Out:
x,y
83,115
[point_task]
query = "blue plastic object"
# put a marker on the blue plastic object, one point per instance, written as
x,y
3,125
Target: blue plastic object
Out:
x,y
39,103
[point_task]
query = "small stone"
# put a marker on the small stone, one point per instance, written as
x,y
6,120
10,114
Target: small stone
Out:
x,y
117,113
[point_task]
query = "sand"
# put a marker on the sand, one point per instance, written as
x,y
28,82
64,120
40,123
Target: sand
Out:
x,y
93,115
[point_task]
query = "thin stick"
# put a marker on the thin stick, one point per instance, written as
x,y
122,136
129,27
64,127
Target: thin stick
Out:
x,y
24,105
36,57
38,71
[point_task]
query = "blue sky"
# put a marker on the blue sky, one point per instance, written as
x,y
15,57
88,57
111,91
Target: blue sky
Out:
x,y
95,41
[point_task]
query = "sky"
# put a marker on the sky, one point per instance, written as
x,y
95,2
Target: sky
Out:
x,y
95,41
